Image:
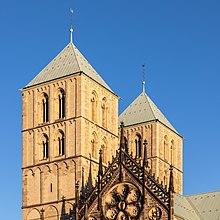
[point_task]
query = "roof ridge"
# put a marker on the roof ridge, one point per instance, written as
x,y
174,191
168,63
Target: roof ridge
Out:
x,y
147,97
73,47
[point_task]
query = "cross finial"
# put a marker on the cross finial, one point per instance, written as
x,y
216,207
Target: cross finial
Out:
x,y
71,25
143,82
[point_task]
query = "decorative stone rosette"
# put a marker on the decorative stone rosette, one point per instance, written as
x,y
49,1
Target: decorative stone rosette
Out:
x,y
155,213
122,202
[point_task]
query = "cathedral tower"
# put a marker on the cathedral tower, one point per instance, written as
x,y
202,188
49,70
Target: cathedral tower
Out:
x,y
68,114
143,120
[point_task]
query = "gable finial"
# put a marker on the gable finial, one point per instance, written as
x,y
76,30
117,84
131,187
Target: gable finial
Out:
x,y
143,82
122,138
71,25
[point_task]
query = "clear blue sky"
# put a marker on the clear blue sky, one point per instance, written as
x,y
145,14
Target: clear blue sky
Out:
x,y
177,40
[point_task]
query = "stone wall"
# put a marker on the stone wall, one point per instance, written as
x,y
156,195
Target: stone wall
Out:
x,y
86,130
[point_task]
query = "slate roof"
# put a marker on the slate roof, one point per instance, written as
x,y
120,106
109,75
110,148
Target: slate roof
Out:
x,y
198,207
68,62
142,109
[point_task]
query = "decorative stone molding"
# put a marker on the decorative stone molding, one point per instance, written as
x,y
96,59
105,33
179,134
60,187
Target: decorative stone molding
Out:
x,y
123,201
155,213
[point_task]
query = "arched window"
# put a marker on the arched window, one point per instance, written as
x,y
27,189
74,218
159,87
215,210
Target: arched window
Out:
x,y
94,106
94,145
104,112
45,147
45,108
138,145
61,103
165,143
60,139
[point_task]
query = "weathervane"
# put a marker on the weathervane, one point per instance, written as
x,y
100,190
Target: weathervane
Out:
x,y
143,82
71,25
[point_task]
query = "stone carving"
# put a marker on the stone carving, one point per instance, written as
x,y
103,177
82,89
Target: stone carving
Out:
x,y
121,192
123,201
155,213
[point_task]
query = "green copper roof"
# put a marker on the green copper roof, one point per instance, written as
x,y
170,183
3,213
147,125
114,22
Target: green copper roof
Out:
x,y
142,109
198,207
69,61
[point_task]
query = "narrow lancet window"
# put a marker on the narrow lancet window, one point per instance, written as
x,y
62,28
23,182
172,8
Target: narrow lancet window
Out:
x,y
45,147
45,108
61,100
60,143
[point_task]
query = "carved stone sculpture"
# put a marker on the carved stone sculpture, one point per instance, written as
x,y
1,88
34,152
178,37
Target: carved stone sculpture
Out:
x,y
123,201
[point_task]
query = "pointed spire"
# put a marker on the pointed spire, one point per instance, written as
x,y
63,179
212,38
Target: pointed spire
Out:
x,y
100,173
143,82
71,25
86,214
122,138
143,86
171,186
122,146
63,211
89,184
144,166
76,200
100,163
145,163
171,192
42,214
83,179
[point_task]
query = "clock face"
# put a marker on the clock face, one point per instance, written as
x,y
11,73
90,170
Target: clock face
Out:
x,y
155,213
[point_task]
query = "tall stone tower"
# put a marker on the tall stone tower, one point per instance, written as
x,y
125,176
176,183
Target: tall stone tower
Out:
x,y
143,120
68,114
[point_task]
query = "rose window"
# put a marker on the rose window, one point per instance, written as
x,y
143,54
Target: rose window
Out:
x,y
123,201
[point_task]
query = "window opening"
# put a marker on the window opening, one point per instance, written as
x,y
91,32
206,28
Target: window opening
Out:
x,y
45,108
61,98
45,147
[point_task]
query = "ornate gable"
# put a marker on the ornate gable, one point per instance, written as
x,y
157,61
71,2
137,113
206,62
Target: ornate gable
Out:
x,y
127,190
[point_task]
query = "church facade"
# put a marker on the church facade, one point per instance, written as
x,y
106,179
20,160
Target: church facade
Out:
x,y
76,161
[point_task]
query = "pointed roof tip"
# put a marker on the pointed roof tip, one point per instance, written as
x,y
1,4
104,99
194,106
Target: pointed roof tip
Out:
x,y
143,86
71,35
143,109
71,25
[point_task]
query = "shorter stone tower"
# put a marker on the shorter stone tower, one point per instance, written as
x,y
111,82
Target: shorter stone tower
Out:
x,y
143,120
